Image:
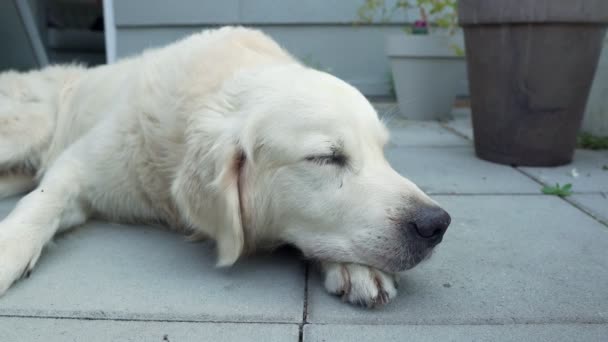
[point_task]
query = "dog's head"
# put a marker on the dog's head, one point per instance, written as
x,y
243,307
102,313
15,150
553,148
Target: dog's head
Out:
x,y
299,159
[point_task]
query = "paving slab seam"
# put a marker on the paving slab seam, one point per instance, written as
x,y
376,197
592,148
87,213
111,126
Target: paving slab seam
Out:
x,y
454,324
89,318
586,211
571,202
444,124
539,194
304,305
568,200
594,321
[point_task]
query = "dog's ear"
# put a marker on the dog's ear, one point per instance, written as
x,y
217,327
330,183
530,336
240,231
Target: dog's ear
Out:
x,y
230,239
206,191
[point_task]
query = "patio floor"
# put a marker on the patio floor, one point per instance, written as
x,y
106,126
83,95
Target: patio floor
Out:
x,y
515,265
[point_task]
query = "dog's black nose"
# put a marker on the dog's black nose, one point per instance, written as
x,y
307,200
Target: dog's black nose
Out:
x,y
430,223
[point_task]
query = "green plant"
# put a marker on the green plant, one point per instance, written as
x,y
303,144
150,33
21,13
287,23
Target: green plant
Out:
x,y
441,14
591,142
370,9
558,190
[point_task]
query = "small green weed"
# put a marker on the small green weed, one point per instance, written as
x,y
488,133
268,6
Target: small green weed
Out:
x,y
558,190
591,142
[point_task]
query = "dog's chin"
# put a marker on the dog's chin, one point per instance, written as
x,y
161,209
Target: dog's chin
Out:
x,y
391,263
405,262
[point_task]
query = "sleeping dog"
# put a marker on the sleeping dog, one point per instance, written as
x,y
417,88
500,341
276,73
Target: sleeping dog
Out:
x,y
221,135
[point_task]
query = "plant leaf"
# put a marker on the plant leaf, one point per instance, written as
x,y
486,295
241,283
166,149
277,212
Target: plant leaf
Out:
x,y
548,190
557,190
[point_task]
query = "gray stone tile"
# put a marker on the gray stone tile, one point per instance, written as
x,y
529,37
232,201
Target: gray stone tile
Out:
x,y
596,204
589,166
461,124
457,170
498,333
505,259
64,330
422,133
133,272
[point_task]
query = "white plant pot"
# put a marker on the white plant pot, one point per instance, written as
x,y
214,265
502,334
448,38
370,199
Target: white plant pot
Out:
x,y
427,74
596,113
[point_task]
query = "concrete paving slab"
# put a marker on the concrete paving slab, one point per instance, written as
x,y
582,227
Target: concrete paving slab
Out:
x,y
422,133
65,330
493,333
125,272
462,125
596,204
589,165
504,260
457,170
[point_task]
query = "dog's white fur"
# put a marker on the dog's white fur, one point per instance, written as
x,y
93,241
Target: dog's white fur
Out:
x,y
223,135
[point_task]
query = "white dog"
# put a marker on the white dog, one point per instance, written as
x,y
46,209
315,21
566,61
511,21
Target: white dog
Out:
x,y
221,135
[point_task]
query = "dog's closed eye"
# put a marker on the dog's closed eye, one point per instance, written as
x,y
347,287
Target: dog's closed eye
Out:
x,y
334,158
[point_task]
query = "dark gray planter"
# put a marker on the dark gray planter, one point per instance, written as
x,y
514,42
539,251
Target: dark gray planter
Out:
x,y
531,64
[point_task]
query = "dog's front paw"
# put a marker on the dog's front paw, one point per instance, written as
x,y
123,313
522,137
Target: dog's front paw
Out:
x,y
18,255
360,284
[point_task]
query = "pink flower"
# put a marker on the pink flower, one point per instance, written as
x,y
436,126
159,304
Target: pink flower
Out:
x,y
420,24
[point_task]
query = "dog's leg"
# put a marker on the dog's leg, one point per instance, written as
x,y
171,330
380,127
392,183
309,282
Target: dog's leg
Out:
x,y
53,206
14,184
359,284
